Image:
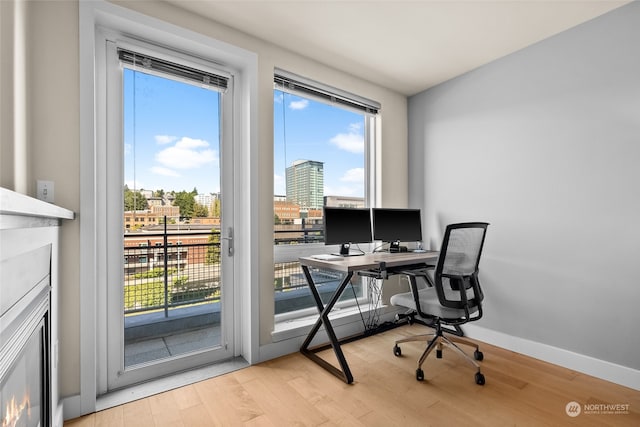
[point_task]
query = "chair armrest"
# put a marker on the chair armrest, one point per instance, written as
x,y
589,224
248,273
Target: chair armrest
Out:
x,y
420,272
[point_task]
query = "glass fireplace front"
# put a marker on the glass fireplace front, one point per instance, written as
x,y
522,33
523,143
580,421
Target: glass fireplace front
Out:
x,y
23,388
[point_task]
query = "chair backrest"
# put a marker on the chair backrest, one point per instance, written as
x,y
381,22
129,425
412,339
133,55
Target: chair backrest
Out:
x,y
456,274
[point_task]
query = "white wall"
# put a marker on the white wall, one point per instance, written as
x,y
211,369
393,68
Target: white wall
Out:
x,y
545,144
53,140
13,95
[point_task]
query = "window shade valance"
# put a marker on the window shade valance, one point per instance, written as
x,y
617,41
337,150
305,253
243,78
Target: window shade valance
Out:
x,y
178,70
291,83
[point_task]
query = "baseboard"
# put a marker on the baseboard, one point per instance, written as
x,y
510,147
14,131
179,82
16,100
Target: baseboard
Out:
x,y
602,369
71,407
58,417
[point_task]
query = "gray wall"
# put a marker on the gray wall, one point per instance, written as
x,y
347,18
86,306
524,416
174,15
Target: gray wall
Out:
x,y
545,145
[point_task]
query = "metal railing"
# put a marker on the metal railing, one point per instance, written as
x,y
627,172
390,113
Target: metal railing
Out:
x,y
162,272
284,234
292,292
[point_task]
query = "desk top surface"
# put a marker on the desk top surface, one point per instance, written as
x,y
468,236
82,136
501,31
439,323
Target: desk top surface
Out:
x,y
371,261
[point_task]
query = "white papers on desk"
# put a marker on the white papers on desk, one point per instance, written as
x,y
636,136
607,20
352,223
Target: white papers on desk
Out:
x,y
328,257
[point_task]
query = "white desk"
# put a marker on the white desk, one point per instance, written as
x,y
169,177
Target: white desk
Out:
x,y
382,262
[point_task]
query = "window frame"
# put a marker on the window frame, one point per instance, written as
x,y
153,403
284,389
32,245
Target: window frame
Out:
x,y
113,374
370,111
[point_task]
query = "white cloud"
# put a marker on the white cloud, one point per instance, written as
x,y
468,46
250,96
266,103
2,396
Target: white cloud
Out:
x,y
165,139
128,149
137,185
353,175
188,143
278,98
352,142
187,153
299,105
344,191
164,171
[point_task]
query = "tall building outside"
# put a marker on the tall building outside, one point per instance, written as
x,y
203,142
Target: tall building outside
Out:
x,y
206,199
305,184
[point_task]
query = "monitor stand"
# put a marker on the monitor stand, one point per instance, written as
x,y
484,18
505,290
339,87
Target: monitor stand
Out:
x,y
344,250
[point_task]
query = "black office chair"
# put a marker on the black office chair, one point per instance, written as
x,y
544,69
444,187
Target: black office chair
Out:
x,y
453,298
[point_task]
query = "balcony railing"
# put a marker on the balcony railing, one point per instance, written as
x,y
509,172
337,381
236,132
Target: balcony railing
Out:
x,y
161,272
287,234
291,289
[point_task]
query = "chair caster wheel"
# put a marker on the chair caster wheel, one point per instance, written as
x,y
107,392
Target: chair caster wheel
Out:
x,y
397,351
439,354
419,374
479,378
478,355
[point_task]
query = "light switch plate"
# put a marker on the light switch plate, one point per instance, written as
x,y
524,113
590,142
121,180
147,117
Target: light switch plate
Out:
x,y
45,191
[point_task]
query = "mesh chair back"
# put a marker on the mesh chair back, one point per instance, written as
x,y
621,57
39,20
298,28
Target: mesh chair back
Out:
x,y
458,266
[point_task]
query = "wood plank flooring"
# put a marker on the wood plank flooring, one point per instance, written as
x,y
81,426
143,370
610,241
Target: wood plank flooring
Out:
x,y
294,391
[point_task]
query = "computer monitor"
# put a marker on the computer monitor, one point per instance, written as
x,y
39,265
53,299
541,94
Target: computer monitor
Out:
x,y
344,226
396,225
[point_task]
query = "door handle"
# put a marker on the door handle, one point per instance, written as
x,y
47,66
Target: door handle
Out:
x,y
229,240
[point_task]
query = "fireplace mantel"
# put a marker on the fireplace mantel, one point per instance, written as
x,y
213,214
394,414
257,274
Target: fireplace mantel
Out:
x,y
16,204
28,225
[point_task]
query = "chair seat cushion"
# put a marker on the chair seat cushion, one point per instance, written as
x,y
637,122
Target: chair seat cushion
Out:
x,y
430,304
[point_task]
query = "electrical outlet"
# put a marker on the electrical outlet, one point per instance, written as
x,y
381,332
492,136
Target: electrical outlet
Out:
x,y
45,191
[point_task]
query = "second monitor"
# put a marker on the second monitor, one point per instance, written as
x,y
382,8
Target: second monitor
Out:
x,y
397,225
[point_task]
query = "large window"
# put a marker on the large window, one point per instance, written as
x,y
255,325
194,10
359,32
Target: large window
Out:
x,y
323,139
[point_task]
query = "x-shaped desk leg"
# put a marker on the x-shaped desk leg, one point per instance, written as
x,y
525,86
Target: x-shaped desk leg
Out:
x,y
344,373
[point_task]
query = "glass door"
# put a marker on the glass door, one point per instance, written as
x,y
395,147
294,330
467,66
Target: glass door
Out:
x,y
169,305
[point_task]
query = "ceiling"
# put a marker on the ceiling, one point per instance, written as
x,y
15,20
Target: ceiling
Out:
x,y
407,46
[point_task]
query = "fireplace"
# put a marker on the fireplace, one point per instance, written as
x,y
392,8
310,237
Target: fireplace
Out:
x,y
25,382
29,296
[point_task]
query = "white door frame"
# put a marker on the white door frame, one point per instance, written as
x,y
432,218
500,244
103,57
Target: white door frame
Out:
x,y
97,15
110,339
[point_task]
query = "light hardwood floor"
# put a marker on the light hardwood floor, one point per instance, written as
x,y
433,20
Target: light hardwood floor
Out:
x,y
294,391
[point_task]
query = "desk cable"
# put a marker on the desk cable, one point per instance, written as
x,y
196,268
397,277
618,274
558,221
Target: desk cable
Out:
x,y
374,291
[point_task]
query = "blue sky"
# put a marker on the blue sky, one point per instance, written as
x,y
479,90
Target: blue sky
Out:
x,y
171,138
171,135
321,132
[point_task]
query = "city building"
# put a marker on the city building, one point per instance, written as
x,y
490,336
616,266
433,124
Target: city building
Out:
x,y
155,201
206,199
146,251
344,202
206,221
287,212
305,184
150,217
